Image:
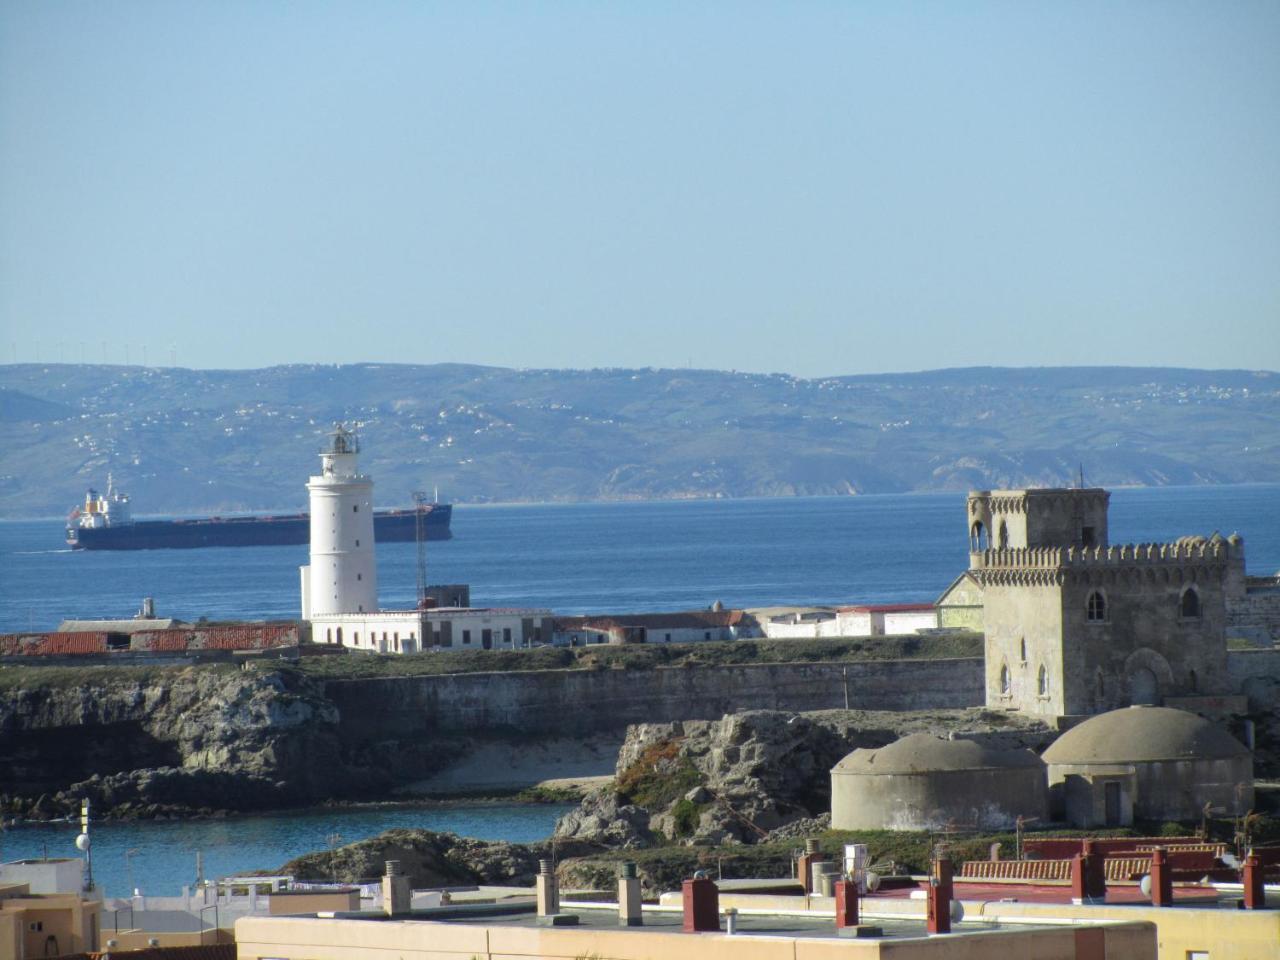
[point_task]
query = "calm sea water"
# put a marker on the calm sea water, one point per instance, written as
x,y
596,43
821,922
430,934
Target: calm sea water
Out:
x,y
159,858
573,559
599,557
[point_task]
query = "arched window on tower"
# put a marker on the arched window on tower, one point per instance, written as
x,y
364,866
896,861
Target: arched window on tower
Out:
x,y
1042,682
339,635
1004,679
1098,682
1190,608
1022,648
978,539
1096,610
1004,535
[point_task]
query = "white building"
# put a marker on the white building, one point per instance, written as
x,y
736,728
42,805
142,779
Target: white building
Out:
x,y
342,576
412,631
867,620
694,626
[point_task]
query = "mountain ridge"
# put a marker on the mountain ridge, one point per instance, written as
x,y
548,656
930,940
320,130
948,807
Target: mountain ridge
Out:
x,y
184,441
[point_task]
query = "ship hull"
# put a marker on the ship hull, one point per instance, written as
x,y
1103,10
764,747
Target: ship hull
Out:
x,y
389,526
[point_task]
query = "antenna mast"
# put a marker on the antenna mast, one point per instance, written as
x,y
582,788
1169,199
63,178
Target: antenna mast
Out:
x,y
420,535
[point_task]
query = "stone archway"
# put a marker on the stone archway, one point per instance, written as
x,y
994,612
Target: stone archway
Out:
x,y
1148,677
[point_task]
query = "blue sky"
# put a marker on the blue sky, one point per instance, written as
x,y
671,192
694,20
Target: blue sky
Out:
x,y
816,188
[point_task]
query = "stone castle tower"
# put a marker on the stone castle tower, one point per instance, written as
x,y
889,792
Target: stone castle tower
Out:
x,y
1077,626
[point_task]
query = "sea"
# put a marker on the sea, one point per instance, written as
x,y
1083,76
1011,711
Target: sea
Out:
x,y
569,558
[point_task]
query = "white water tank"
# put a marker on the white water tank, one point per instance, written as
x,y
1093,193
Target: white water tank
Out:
x,y
343,568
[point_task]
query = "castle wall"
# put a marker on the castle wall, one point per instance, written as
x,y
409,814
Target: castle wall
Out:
x,y
574,702
1144,637
1254,613
1018,613
1256,674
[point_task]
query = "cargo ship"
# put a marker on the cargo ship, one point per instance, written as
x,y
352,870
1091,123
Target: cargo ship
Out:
x,y
106,523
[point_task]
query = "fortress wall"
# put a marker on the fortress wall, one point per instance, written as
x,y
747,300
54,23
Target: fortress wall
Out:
x,y
576,702
1255,616
1256,673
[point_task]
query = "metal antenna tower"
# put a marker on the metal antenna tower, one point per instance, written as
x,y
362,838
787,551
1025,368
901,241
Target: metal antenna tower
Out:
x,y
420,535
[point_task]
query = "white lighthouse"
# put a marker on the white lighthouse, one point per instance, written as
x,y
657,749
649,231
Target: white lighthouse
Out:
x,y
342,576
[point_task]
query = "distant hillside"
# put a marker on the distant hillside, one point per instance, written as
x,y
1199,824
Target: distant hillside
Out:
x,y
193,441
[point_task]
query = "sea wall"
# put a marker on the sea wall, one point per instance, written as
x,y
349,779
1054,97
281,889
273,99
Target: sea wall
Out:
x,y
575,702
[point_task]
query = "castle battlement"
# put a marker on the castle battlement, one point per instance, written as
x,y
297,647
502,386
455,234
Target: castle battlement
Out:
x,y
1196,550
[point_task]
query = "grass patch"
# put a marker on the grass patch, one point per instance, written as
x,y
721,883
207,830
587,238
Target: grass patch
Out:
x,y
642,656
24,677
660,775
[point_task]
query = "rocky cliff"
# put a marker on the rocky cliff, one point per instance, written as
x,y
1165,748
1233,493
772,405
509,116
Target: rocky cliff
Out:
x,y
754,776
151,742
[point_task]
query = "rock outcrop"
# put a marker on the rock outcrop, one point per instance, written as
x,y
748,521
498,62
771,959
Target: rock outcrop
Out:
x,y
747,776
169,741
429,859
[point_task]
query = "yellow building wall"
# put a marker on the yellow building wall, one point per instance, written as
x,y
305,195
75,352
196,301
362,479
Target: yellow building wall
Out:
x,y
317,939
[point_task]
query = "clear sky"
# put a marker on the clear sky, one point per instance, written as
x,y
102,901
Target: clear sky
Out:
x,y
815,188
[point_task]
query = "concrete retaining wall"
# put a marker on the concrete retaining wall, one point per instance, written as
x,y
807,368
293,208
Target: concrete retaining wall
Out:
x,y
575,702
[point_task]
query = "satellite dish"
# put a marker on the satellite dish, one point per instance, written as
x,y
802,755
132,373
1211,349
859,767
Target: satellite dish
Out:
x,y
82,842
873,882
1145,885
957,911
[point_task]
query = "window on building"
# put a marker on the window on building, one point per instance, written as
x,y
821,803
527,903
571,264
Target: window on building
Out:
x,y
668,638
1096,610
1004,535
359,576
355,508
339,634
1022,647
357,543
328,635
506,635
978,537
355,638
1087,537
466,636
1190,604
1004,679
1098,682
1042,682
707,635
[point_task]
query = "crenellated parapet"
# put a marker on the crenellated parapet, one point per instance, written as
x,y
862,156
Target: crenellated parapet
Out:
x,y
1190,549
1188,559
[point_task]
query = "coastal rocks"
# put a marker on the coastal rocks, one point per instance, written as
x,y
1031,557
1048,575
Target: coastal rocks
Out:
x,y
429,859
603,818
168,741
747,776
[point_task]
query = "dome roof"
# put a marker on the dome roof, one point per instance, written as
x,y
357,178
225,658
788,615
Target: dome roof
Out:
x,y
925,753
1138,734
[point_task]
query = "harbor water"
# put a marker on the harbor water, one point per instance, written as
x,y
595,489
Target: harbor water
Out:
x,y
159,857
